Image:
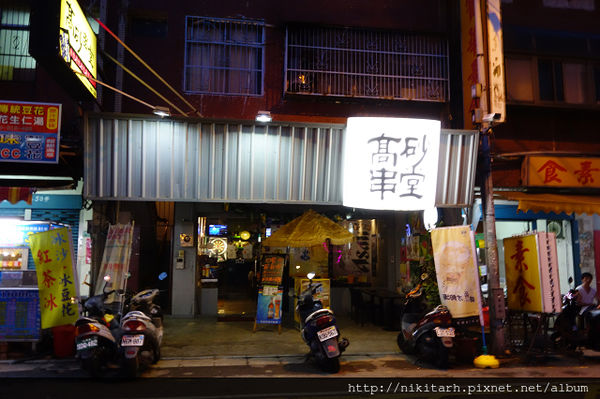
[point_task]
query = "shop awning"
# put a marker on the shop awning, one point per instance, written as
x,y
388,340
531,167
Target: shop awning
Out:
x,y
16,194
556,203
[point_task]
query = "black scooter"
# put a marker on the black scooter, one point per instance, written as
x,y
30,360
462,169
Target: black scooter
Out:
x,y
576,326
430,335
96,334
319,329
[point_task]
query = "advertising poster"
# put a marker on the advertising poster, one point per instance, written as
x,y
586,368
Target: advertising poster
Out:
x,y
269,310
313,259
355,260
322,292
29,132
115,261
456,268
522,267
52,253
271,269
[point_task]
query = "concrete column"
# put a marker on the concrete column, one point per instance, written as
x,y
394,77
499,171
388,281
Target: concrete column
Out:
x,y
184,280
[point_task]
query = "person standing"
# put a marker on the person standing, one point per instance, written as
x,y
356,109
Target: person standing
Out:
x,y
587,296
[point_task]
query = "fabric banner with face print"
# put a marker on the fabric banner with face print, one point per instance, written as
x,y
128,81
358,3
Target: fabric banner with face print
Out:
x,y
456,269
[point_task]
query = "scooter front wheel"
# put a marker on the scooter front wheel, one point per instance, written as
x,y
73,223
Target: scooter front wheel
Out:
x,y
403,345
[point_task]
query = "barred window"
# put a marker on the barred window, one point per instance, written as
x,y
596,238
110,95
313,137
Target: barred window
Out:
x,y
361,63
15,62
224,56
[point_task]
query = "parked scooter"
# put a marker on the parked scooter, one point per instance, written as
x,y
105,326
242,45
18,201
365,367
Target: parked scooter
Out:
x,y
96,334
142,331
426,335
576,326
319,329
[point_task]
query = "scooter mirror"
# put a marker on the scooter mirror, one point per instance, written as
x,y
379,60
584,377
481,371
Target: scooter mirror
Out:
x,y
310,275
424,276
162,276
107,278
570,280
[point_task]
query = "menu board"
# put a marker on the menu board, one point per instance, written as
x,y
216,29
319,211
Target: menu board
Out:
x,y
271,269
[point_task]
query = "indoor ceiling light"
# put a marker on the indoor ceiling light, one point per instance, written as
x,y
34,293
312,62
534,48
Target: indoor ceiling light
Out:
x,y
161,111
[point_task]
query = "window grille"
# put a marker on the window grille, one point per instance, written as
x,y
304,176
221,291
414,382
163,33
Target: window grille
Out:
x,y
224,56
15,62
371,64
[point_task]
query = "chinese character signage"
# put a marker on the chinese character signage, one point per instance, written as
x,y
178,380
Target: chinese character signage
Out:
x,y
29,132
356,259
495,59
115,260
269,306
77,43
271,269
532,279
573,172
391,163
456,269
52,252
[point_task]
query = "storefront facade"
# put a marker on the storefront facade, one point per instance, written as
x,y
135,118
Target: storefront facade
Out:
x,y
209,167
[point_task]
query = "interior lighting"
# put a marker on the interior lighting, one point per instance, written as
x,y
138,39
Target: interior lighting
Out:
x,y
161,111
263,117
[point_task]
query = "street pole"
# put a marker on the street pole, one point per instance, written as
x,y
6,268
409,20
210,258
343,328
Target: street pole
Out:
x,y
495,292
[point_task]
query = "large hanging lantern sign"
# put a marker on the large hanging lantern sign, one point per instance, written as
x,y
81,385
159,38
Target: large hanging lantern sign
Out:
x,y
391,163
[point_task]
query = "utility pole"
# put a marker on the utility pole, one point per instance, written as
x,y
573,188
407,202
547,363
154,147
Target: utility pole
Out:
x,y
490,67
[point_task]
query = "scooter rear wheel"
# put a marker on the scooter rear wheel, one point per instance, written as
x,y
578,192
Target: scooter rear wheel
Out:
x,y
93,364
331,365
131,367
431,349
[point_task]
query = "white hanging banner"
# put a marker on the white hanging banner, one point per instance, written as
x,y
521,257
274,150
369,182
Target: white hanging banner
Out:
x,y
391,163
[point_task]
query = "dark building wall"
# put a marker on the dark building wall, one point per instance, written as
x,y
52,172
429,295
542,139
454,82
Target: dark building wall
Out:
x,y
533,30
165,53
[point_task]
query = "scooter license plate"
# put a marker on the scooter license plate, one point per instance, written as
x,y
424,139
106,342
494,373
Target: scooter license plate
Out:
x,y
87,343
327,333
132,340
444,332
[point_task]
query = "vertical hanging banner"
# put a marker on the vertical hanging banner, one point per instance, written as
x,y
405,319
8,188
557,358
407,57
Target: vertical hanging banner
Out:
x,y
456,268
115,261
268,310
496,59
391,163
531,266
52,253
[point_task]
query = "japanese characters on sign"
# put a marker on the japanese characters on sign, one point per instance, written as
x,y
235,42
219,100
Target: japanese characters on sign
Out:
x,y
77,43
391,163
456,269
522,269
496,59
52,253
29,132
574,172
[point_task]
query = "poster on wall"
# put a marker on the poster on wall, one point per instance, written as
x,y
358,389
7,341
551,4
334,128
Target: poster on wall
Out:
x,y
391,163
456,269
355,261
269,306
52,253
312,259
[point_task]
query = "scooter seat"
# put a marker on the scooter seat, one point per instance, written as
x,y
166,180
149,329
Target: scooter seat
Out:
x,y
316,314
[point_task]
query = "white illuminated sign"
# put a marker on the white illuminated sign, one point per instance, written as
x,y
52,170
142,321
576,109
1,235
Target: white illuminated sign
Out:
x,y
391,163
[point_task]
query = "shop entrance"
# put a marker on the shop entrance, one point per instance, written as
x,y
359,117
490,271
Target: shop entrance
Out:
x,y
227,266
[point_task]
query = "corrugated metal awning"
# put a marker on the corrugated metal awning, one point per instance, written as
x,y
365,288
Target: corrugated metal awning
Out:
x,y
143,158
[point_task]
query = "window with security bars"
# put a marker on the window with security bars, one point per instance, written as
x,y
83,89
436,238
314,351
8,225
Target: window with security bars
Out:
x,y
361,63
15,62
224,56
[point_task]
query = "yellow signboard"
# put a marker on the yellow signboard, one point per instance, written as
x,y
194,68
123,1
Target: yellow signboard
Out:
x,y
52,252
574,172
522,268
78,43
456,269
